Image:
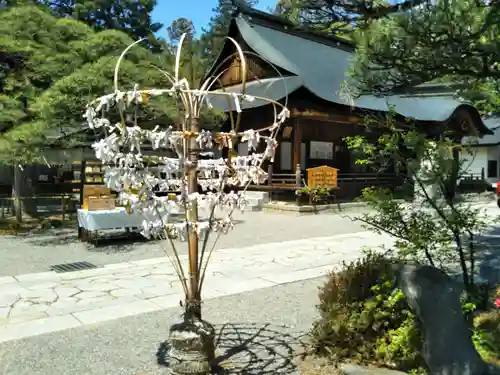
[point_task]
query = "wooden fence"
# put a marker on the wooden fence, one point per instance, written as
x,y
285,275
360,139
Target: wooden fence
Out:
x,y
63,204
350,185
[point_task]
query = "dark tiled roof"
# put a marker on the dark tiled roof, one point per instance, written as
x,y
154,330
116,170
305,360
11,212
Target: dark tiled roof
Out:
x,y
322,64
492,123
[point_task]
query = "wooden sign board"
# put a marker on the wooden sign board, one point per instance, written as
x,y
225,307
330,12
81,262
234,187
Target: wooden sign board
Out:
x,y
323,176
93,191
100,203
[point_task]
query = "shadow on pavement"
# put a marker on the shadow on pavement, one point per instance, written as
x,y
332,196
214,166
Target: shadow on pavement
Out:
x,y
251,349
108,241
488,256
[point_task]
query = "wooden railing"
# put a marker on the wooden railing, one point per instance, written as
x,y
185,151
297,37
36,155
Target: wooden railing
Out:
x,y
375,178
296,181
66,202
284,181
473,176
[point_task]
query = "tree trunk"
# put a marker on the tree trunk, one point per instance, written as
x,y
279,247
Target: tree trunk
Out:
x,y
451,182
16,193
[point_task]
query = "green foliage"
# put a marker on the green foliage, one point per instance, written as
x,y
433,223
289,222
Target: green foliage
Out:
x,y
437,41
45,224
212,40
419,238
486,336
316,195
14,228
364,317
63,65
11,111
131,17
193,63
452,41
180,26
322,19
433,229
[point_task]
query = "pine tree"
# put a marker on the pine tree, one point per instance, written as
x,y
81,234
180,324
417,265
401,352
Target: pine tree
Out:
x,y
213,36
413,42
133,17
452,41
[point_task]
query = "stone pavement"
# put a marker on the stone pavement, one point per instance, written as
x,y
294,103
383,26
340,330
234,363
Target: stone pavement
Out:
x,y
33,304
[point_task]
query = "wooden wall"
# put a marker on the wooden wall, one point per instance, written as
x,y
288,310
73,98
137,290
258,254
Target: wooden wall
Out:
x,y
231,63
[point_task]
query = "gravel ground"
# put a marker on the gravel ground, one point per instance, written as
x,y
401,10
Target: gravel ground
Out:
x,y
268,325
37,252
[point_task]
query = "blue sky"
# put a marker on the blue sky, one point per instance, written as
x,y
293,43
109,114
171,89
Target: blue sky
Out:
x,y
199,11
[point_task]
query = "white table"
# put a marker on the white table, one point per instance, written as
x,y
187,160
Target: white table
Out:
x,y
89,222
108,219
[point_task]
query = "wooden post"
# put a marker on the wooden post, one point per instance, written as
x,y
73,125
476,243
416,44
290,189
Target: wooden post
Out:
x,y
270,174
297,142
298,182
63,207
298,176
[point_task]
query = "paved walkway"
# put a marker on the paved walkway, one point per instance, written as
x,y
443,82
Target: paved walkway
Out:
x,y
257,332
38,303
36,252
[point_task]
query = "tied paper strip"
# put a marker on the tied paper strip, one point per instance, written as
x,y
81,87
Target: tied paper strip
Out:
x,y
138,177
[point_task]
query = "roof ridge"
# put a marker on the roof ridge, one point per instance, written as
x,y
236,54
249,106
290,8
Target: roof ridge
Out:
x,y
282,24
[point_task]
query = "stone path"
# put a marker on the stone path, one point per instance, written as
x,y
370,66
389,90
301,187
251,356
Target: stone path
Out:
x,y
38,303
36,252
258,332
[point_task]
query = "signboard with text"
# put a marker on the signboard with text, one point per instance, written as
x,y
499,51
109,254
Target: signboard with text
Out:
x,y
323,176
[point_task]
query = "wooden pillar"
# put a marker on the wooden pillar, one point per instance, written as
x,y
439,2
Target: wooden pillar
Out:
x,y
297,142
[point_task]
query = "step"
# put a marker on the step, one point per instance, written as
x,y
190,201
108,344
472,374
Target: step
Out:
x,y
262,195
254,202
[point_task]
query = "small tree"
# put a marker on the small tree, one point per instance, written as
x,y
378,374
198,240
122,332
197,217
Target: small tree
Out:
x,y
207,188
436,228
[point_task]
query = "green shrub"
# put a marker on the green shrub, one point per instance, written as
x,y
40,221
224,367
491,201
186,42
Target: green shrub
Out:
x,y
486,336
14,227
45,224
364,317
55,223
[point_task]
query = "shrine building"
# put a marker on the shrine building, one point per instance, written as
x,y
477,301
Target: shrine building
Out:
x,y
307,72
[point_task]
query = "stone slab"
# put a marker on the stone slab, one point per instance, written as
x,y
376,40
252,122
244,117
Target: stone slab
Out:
x,y
24,316
8,299
166,302
150,261
39,276
69,307
299,275
233,286
119,266
7,280
37,327
116,312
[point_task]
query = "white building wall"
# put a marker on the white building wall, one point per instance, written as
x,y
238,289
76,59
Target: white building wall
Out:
x,y
478,161
475,162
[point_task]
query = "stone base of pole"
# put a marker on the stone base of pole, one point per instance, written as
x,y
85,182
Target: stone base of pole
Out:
x,y
191,348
